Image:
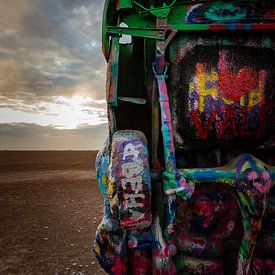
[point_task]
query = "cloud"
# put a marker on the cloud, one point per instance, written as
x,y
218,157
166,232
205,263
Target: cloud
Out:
x,y
23,136
52,74
58,111
51,48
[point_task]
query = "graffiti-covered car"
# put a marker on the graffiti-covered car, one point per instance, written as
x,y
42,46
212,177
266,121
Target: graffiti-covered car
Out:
x,y
187,172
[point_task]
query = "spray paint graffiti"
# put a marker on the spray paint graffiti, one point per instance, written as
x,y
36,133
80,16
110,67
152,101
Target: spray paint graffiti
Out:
x,y
131,181
212,227
228,12
227,103
216,97
127,194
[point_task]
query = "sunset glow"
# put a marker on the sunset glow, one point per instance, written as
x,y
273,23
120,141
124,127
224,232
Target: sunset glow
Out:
x,y
60,112
52,74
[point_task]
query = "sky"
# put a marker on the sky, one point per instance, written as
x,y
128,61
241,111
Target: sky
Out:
x,y
52,75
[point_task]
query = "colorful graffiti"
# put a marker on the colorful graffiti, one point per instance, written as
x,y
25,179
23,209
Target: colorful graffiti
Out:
x,y
212,227
226,102
227,12
126,186
263,266
130,183
212,222
162,214
191,265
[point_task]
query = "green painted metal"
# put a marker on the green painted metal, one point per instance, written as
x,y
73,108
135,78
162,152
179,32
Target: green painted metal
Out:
x,y
159,12
159,33
124,4
138,32
141,20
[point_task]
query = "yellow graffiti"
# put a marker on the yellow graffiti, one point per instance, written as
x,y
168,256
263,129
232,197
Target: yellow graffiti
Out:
x,y
105,179
205,78
97,249
112,188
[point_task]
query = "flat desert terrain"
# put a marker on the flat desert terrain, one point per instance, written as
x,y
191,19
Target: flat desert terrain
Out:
x,y
50,206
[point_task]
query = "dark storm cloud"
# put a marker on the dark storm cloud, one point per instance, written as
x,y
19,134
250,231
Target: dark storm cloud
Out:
x,y
22,136
50,48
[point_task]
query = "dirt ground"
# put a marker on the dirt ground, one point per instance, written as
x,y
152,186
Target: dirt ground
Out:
x,y
50,206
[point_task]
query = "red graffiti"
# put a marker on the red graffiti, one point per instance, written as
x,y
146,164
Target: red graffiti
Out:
x,y
203,131
232,125
229,122
235,85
